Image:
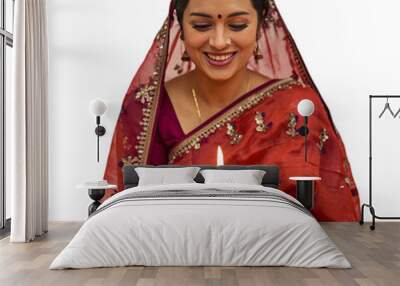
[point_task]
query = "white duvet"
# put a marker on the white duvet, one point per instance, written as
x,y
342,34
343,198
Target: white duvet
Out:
x,y
201,231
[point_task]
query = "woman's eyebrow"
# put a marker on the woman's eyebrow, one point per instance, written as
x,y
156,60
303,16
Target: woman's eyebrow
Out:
x,y
238,14
210,17
201,15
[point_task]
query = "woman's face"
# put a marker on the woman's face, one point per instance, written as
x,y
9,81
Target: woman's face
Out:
x,y
220,35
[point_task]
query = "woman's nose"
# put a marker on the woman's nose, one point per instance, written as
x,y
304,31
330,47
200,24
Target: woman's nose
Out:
x,y
219,40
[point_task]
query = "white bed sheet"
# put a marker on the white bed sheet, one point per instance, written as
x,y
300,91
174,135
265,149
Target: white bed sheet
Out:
x,y
200,232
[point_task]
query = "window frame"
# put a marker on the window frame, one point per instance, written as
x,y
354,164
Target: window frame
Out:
x,y
6,39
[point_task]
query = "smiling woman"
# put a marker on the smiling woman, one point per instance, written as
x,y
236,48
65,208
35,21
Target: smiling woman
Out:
x,y
219,40
227,73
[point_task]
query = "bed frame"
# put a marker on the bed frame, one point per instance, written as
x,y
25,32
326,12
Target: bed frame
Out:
x,y
270,179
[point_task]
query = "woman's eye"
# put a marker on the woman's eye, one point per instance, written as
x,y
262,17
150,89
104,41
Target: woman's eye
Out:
x,y
238,27
201,27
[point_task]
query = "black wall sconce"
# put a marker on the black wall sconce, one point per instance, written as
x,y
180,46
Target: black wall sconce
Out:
x,y
97,107
306,109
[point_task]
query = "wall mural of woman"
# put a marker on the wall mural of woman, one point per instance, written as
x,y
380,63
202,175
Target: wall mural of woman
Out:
x,y
227,73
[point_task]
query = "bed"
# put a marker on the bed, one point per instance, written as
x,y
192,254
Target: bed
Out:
x,y
201,224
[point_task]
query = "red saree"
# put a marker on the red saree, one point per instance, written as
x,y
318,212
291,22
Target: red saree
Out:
x,y
260,127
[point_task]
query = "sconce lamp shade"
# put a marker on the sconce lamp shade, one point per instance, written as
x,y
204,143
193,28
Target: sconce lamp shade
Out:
x,y
305,107
97,107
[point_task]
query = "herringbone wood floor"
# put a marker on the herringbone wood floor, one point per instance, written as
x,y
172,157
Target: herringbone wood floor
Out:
x,y
375,257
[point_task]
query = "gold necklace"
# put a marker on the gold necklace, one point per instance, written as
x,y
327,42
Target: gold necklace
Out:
x,y
196,102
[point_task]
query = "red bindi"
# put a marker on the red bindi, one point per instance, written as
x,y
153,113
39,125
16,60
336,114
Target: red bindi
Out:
x,y
219,16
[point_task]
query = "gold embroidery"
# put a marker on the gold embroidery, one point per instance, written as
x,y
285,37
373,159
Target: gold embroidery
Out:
x,y
323,137
163,31
186,145
146,95
292,132
233,134
261,127
130,161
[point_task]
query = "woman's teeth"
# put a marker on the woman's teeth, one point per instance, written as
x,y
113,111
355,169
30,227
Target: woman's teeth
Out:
x,y
220,61
220,58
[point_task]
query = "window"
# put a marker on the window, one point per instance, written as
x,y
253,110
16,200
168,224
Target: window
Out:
x,y
6,44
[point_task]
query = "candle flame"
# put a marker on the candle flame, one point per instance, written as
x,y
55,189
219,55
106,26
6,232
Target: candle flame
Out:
x,y
220,156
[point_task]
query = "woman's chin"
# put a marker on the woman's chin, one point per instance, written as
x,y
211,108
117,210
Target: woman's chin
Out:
x,y
220,75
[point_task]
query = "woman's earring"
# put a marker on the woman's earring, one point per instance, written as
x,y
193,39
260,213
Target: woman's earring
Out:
x,y
257,55
185,57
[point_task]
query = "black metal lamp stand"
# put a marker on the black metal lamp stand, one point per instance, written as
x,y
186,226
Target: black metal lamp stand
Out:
x,y
305,193
96,195
370,205
100,131
303,131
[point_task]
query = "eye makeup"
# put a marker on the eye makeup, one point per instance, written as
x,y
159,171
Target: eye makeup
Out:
x,y
202,27
238,26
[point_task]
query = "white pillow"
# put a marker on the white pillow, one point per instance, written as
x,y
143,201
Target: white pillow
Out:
x,y
162,176
248,177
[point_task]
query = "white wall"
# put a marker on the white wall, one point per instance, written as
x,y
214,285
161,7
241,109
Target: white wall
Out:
x,y
351,49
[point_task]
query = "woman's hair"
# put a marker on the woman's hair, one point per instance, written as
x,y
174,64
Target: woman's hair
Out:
x,y
261,7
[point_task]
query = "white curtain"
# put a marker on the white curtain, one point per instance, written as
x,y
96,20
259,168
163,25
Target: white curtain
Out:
x,y
28,122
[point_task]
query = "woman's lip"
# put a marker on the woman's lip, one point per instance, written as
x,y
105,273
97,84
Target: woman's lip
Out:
x,y
220,63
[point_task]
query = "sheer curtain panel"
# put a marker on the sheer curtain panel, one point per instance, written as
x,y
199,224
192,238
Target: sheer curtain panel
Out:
x,y
29,121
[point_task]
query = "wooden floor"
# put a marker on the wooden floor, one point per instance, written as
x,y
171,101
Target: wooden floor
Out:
x,y
375,257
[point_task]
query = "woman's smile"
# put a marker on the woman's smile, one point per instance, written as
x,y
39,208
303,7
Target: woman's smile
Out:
x,y
220,59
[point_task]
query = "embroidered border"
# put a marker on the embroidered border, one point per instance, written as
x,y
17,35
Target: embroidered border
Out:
x,y
146,94
194,141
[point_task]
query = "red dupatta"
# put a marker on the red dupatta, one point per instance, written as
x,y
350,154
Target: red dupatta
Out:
x,y
135,139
